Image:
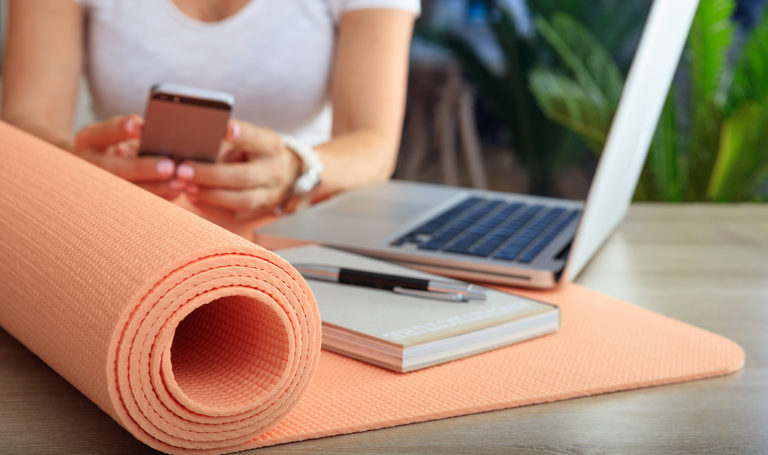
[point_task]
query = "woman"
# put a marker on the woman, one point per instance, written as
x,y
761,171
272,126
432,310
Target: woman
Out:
x,y
287,62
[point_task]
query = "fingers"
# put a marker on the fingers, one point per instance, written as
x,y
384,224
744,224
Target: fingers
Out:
x,y
101,135
165,189
254,140
213,211
251,202
252,174
257,158
128,148
153,174
141,169
233,130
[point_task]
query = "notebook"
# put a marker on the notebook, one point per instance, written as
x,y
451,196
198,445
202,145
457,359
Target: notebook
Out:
x,y
405,333
501,237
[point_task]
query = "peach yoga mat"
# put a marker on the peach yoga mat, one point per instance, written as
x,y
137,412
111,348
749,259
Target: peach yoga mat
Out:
x,y
198,341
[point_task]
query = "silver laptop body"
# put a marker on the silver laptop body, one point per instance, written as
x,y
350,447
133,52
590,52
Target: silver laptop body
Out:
x,y
385,220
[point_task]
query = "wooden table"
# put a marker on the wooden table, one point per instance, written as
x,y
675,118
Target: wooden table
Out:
x,y
703,264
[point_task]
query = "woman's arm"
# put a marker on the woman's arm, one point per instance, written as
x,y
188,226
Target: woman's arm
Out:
x,y
368,86
42,66
368,91
41,71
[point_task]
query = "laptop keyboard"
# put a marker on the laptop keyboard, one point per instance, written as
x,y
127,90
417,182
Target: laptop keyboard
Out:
x,y
477,226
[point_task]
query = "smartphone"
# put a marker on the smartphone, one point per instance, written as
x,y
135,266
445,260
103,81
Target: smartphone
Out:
x,y
185,123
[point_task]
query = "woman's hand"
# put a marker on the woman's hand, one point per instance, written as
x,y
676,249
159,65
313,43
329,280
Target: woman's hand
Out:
x,y
114,145
254,177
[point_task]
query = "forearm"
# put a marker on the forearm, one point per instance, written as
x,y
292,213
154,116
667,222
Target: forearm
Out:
x,y
357,158
368,92
33,124
41,67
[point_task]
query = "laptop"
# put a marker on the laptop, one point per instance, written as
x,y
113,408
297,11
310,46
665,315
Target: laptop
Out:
x,y
498,237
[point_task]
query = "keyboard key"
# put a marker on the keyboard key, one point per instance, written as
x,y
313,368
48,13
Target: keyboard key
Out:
x,y
530,233
548,237
464,243
436,223
514,248
506,231
489,245
456,228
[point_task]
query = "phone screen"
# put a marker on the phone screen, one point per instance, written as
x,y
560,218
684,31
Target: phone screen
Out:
x,y
184,127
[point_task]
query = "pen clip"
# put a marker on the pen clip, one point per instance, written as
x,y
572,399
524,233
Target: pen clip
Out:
x,y
445,296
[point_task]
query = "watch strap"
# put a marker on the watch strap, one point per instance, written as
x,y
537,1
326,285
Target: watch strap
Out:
x,y
309,177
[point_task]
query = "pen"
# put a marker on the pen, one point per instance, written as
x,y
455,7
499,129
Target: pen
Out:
x,y
418,287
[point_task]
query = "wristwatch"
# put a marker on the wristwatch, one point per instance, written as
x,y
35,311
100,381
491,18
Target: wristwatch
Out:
x,y
308,181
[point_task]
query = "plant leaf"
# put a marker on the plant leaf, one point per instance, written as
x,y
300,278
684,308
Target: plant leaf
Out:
x,y
664,173
568,103
618,26
750,74
742,160
732,139
710,38
588,60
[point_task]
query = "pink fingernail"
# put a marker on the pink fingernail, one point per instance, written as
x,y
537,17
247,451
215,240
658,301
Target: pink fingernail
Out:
x,y
132,126
165,168
234,130
185,171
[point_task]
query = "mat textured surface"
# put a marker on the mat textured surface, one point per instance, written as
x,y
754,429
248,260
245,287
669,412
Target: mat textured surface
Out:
x,y
195,340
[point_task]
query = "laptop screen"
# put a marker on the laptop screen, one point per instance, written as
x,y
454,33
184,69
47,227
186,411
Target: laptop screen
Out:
x,y
545,76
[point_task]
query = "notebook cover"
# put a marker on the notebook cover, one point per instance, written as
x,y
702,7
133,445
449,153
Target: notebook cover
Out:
x,y
399,322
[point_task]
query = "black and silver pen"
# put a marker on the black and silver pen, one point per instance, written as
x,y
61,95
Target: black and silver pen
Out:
x,y
419,287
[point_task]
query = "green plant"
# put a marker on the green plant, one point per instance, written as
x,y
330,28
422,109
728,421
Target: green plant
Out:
x,y
711,142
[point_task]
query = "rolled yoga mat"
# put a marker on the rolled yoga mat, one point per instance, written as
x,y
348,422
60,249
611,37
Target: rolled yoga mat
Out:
x,y
108,285
189,336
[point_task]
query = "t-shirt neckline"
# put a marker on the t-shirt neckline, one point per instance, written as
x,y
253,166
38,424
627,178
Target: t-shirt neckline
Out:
x,y
184,18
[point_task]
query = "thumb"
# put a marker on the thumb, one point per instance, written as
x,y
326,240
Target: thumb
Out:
x,y
143,169
100,135
255,140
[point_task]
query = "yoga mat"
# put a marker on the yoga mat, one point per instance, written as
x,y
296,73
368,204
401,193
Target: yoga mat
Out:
x,y
189,336
96,275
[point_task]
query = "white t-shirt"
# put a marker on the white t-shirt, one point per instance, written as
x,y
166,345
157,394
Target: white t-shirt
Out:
x,y
274,56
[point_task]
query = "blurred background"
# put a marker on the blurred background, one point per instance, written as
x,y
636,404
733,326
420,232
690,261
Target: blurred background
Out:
x,y
519,95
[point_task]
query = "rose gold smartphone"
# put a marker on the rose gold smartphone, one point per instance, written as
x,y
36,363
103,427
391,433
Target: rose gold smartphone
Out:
x,y
185,123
